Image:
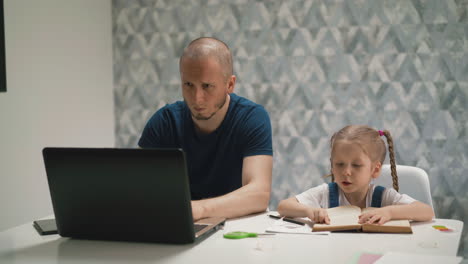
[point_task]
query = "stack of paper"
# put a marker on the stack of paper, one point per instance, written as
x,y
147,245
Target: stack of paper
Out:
x,y
280,226
402,258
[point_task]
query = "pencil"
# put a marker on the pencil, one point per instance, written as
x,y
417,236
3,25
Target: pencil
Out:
x,y
275,216
287,219
293,221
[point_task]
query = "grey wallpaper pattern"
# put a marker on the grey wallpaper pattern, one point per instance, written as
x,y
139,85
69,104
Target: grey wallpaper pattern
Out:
x,y
316,65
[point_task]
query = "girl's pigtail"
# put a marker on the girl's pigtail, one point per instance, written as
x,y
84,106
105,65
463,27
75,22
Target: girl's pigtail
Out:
x,y
391,153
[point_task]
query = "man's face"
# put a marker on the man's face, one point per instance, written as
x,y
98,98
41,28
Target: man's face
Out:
x,y
204,87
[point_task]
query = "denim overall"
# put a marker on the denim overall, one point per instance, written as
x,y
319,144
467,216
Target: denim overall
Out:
x,y
333,196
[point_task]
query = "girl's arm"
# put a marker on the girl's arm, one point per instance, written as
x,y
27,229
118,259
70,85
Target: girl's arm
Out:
x,y
292,208
415,211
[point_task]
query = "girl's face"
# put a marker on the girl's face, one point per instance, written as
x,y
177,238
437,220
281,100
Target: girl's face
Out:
x,y
352,168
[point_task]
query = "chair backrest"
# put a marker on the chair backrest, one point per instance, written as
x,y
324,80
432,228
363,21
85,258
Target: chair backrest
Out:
x,y
412,181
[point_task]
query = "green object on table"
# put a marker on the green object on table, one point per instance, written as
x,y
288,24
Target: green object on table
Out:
x,y
240,234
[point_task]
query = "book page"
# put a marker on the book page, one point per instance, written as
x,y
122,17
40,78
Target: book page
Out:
x,y
344,215
404,223
341,218
393,226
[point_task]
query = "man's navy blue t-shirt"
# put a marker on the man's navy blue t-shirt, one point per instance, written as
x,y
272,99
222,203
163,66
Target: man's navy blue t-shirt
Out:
x,y
214,160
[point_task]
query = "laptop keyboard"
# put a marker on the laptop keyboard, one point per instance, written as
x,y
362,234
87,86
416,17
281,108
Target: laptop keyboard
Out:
x,y
198,227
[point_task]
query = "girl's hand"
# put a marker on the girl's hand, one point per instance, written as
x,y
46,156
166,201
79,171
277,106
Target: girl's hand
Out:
x,y
318,215
376,216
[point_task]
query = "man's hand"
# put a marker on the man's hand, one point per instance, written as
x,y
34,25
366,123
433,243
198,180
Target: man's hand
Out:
x,y
252,197
197,210
376,216
318,215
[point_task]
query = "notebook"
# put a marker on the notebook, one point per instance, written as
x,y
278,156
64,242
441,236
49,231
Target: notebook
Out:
x,y
123,194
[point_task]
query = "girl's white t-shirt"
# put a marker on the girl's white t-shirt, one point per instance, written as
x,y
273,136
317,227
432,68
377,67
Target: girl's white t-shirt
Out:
x,y
317,197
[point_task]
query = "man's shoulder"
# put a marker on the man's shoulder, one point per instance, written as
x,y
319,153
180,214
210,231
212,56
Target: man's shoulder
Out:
x,y
169,113
248,116
237,99
242,104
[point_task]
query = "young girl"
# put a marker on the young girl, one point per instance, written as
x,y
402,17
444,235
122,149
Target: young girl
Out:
x,y
357,154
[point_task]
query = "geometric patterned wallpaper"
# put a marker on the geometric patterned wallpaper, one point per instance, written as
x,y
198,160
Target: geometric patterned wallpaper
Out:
x,y
316,66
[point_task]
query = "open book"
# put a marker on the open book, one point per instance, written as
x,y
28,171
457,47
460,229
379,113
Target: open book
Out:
x,y
346,218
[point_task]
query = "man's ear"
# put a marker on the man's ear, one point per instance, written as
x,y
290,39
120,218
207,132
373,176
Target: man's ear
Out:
x,y
376,170
231,84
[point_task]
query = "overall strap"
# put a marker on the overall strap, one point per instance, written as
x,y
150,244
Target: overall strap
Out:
x,y
377,196
333,196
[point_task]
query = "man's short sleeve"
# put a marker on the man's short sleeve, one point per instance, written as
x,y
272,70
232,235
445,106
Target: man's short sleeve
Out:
x,y
152,133
258,133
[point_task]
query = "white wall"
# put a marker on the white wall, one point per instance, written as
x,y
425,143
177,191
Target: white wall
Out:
x,y
59,73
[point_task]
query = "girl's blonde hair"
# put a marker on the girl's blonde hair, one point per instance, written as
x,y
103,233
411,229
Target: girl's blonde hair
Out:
x,y
371,143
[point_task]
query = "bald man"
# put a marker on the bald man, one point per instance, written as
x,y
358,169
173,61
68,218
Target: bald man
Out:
x,y
226,138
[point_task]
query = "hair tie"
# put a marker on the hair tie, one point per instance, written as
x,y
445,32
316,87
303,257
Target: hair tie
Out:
x,y
381,133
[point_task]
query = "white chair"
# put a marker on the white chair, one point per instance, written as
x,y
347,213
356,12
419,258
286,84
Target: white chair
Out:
x,y
412,181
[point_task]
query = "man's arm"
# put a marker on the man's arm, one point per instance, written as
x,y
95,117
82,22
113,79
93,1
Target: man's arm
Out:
x,y
252,197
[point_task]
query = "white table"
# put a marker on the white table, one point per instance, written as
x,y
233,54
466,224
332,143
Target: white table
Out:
x,y
22,244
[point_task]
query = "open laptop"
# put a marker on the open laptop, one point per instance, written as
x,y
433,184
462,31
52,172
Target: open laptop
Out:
x,y
123,194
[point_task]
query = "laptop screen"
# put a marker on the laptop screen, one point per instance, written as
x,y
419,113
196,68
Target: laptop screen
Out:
x,y
120,194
